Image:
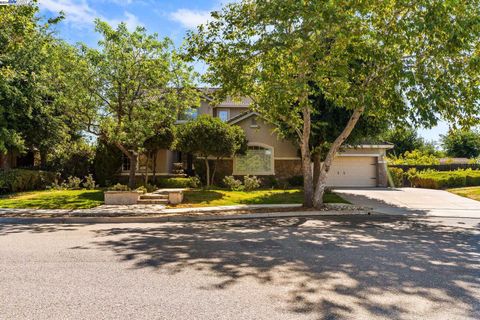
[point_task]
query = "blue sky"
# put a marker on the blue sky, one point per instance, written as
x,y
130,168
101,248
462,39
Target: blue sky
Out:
x,y
170,18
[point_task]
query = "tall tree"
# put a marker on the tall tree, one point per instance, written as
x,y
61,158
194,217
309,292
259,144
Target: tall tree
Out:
x,y
132,84
392,59
207,137
462,143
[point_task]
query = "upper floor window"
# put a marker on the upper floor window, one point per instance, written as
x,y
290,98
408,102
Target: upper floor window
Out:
x,y
223,115
188,114
125,163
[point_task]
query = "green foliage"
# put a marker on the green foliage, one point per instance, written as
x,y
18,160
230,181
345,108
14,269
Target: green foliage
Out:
x,y
72,183
233,184
176,182
462,143
195,182
106,163
33,66
89,182
406,139
386,59
415,157
17,180
74,158
135,86
142,189
445,179
251,183
119,187
209,136
396,177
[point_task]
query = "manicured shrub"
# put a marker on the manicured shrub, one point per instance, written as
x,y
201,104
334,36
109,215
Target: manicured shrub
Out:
x,y
17,180
233,184
119,187
174,182
251,183
396,177
72,183
295,181
194,182
89,182
445,179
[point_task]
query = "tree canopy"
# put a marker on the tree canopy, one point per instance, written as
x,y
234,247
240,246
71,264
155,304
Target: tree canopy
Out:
x,y
395,60
131,87
207,136
462,143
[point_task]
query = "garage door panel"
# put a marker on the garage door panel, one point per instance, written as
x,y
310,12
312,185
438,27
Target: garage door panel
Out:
x,y
353,172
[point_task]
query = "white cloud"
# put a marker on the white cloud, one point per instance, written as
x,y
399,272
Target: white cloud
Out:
x,y
130,20
78,12
190,18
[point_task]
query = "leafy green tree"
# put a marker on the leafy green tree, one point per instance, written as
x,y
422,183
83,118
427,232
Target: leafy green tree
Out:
x,y
32,112
132,84
404,139
106,163
462,143
163,138
207,137
389,59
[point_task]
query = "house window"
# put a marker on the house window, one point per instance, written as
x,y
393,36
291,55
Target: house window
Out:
x,y
257,160
188,114
253,122
125,163
223,115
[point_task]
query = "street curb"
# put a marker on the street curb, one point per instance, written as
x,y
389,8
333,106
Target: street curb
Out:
x,y
146,219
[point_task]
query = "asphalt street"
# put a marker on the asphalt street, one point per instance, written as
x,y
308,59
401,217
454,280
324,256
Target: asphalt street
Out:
x,y
362,267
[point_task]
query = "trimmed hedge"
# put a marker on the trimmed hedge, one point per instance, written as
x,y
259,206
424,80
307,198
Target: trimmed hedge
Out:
x,y
445,179
174,182
17,180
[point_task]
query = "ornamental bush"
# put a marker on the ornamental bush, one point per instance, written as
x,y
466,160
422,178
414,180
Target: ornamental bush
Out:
x,y
233,184
445,179
396,177
17,180
413,158
251,183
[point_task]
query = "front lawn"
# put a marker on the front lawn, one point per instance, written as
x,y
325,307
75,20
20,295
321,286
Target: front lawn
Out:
x,y
469,192
53,199
218,197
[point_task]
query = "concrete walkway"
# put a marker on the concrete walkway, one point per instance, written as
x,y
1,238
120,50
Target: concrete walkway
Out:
x,y
413,201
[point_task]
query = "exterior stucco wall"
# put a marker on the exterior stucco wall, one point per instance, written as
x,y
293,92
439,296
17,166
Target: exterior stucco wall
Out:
x,y
263,134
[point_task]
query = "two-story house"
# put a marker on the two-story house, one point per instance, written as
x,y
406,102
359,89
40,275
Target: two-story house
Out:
x,y
269,155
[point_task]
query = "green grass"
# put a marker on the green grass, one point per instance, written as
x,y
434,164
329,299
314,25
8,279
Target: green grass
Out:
x,y
53,199
218,197
469,192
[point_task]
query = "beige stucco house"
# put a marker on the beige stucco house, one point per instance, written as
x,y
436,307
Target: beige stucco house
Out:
x,y
269,155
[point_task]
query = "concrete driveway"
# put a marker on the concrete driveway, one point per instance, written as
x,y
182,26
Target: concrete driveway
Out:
x,y
413,201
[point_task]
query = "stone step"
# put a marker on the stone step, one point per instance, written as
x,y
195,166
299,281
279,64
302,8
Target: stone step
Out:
x,y
154,196
152,201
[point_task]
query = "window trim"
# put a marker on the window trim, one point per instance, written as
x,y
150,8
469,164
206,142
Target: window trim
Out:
x,y
264,173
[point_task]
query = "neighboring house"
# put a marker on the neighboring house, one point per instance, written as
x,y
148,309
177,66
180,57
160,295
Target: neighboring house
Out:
x,y
12,160
268,155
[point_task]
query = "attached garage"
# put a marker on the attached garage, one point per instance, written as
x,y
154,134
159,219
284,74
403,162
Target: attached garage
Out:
x,y
353,171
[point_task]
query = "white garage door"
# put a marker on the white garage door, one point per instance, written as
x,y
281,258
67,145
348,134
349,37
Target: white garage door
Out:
x,y
353,172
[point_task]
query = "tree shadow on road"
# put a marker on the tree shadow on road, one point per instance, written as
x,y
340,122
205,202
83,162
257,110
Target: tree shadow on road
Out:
x,y
12,228
333,268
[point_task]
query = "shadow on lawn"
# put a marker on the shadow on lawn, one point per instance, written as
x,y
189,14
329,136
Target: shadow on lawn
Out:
x,y
333,268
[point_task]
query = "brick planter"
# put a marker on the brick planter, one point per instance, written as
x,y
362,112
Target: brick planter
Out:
x,y
121,197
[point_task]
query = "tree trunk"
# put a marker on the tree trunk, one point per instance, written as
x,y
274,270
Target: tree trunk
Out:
x,y
146,169
207,171
214,171
154,169
133,169
133,157
325,168
43,159
306,161
317,166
